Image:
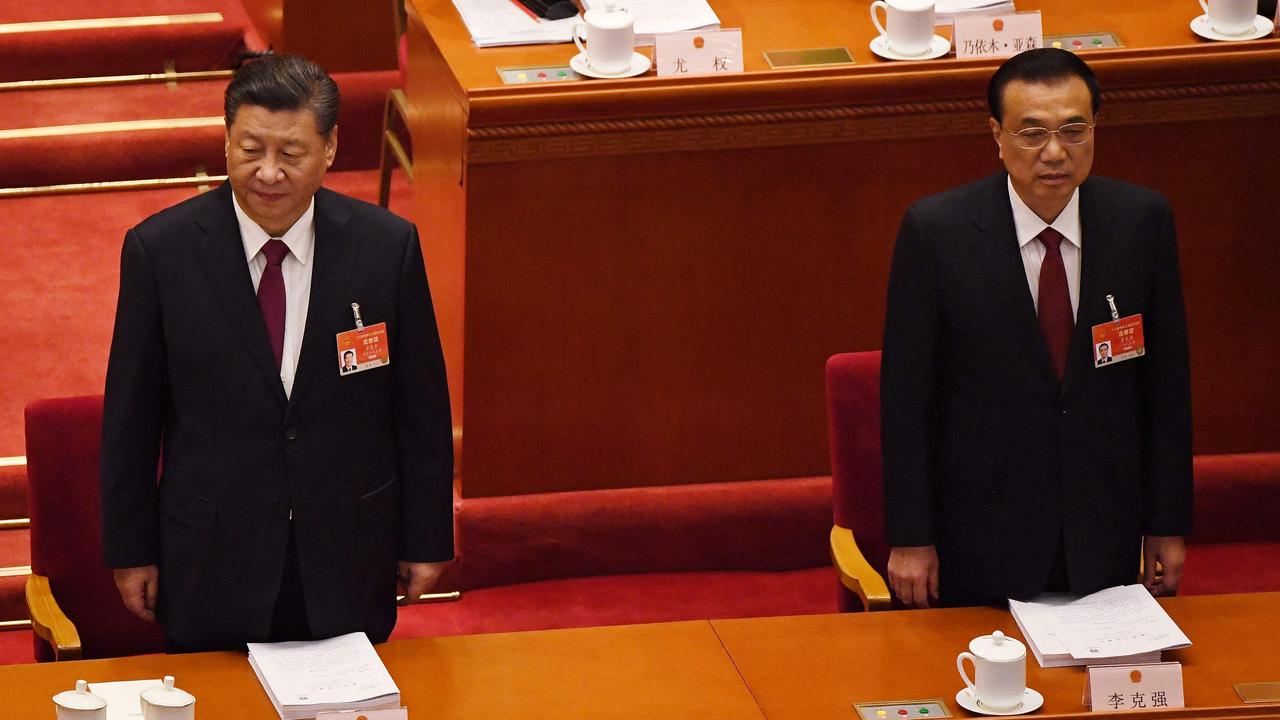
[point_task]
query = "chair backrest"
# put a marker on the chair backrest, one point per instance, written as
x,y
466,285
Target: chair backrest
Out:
x,y
853,411
63,439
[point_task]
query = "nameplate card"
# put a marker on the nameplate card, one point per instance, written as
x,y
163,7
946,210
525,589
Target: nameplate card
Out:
x,y
385,714
699,52
1114,688
996,36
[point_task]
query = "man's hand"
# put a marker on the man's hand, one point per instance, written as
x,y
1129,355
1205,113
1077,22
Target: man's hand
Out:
x,y
1162,559
138,586
416,578
913,575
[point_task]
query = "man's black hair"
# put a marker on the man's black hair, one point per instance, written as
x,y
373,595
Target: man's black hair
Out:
x,y
284,82
1043,65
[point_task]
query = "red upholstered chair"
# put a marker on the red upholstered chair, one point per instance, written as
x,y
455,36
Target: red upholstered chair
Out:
x,y
1235,538
853,411
87,618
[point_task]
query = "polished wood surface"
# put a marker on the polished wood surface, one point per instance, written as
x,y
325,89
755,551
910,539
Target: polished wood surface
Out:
x,y
816,667
660,672
638,281
801,668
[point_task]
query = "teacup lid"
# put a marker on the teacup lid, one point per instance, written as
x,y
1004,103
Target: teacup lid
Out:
x,y
167,695
608,16
80,698
997,646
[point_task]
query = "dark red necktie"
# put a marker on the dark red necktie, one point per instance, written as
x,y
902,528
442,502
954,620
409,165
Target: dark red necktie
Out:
x,y
271,295
1054,302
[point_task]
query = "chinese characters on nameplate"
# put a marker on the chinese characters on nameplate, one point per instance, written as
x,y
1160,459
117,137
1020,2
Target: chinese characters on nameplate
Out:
x,y
998,35
1156,686
716,52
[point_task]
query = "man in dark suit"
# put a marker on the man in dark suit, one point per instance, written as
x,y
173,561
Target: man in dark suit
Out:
x,y
1039,471
291,497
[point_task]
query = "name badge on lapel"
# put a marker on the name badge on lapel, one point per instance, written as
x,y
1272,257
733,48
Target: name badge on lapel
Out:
x,y
364,348
1118,340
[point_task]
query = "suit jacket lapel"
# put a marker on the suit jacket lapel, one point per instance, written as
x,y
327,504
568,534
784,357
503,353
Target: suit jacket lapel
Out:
x,y
222,255
329,307
996,247
1096,248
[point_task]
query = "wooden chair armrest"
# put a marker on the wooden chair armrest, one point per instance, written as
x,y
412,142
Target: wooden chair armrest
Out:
x,y
856,573
397,105
49,622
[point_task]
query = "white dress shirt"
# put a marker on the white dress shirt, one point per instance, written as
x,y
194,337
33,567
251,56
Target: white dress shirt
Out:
x,y
1028,225
296,269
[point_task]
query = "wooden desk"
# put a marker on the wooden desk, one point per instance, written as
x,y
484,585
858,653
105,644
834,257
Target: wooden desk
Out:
x,y
638,281
664,671
801,668
816,667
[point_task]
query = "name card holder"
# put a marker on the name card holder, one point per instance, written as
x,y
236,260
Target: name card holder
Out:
x,y
1115,688
996,36
698,52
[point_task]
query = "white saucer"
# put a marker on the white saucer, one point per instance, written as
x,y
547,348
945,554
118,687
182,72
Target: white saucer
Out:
x,y
1262,27
1031,701
880,46
639,66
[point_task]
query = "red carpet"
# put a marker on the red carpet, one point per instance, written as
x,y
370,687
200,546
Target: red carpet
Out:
x,y
122,51
16,647
69,106
15,551
624,599
142,154
59,265
13,493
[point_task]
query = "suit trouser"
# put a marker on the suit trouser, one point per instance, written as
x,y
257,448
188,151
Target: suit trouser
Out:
x,y
288,618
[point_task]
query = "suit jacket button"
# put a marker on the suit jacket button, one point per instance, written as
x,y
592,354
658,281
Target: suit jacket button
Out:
x,y
291,433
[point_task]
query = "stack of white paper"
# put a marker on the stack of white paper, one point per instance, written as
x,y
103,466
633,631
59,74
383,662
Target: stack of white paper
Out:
x,y
946,11
305,678
655,17
1119,625
123,697
503,22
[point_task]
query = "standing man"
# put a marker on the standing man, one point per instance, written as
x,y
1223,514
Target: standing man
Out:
x,y
1039,471
291,496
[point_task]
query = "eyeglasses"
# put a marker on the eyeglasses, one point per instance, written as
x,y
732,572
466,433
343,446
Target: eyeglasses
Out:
x,y
1035,138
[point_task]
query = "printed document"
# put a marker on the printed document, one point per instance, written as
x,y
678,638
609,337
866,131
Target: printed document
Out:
x,y
655,17
1123,624
503,22
305,677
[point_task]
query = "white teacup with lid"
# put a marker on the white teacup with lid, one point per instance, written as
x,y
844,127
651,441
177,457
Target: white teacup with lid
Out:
x,y
610,38
166,702
1231,17
80,704
999,669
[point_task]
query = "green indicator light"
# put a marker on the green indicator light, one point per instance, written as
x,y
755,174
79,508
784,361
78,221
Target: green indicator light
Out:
x,y
1097,41
924,711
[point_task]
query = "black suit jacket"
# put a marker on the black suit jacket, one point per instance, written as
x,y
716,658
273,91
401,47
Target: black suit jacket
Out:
x,y
363,461
989,456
